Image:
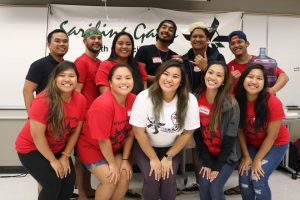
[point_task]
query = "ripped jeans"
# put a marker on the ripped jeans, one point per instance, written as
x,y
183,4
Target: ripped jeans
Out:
x,y
252,188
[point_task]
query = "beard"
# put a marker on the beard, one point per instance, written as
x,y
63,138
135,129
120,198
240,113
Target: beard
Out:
x,y
168,41
96,51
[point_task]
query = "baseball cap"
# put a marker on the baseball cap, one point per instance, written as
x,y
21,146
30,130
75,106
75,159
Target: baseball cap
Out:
x,y
237,34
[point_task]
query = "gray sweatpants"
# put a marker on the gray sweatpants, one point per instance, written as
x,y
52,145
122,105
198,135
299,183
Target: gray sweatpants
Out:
x,y
152,189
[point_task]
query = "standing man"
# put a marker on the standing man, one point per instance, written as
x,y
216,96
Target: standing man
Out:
x,y
195,63
238,45
87,65
197,58
152,56
37,76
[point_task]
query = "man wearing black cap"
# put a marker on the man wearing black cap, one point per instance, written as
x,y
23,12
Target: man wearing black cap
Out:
x,y
238,45
87,65
153,55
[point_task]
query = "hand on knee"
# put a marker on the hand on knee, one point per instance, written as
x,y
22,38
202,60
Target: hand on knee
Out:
x,y
124,180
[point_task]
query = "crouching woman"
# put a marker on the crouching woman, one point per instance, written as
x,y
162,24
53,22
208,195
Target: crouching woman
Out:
x,y
163,119
263,136
45,143
105,143
216,140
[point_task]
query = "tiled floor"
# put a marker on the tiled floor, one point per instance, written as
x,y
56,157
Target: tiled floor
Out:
x,y
25,188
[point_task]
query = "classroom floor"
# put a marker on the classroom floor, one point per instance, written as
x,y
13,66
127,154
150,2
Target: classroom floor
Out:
x,y
25,188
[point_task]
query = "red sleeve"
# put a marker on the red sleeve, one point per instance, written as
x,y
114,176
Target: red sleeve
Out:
x,y
279,71
129,103
275,109
100,119
81,68
143,71
102,73
131,99
39,109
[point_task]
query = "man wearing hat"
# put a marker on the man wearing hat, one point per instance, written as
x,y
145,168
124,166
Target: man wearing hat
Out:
x,y
238,45
87,65
196,59
195,62
37,76
152,56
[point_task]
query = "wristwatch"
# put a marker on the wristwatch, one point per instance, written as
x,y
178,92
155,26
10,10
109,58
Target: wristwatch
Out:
x,y
168,157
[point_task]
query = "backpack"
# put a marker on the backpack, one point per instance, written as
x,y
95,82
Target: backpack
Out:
x,y
294,155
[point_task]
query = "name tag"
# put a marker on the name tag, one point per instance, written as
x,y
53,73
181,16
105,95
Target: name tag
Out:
x,y
156,60
197,69
203,109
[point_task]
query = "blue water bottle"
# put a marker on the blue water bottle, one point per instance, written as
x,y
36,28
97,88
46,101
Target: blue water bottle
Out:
x,y
270,65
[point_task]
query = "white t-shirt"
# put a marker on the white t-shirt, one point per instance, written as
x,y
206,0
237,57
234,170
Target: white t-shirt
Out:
x,y
165,134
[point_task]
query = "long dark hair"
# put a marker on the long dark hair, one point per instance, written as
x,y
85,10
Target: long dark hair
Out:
x,y
137,76
261,105
156,94
55,116
222,94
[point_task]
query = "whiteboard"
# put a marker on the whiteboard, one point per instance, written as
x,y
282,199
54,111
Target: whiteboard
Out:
x,y
23,40
283,42
255,27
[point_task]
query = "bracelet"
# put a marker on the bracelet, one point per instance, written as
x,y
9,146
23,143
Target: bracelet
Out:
x,y
125,159
65,154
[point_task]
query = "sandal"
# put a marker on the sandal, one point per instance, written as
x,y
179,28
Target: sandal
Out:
x,y
233,191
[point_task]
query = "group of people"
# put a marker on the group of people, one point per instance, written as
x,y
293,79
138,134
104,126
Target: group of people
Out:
x,y
146,109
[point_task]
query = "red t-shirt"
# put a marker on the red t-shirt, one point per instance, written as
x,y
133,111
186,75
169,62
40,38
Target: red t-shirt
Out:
x,y
106,119
75,112
241,68
212,139
275,112
87,69
105,67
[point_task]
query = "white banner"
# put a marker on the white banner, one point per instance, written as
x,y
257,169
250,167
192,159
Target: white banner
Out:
x,y
140,22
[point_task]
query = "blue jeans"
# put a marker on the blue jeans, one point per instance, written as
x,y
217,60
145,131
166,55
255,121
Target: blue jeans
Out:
x,y
252,188
214,190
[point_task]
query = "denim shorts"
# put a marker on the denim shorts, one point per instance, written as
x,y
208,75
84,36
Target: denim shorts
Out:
x,y
95,164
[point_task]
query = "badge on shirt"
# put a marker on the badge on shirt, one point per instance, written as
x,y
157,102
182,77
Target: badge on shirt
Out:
x,y
203,109
156,60
197,69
